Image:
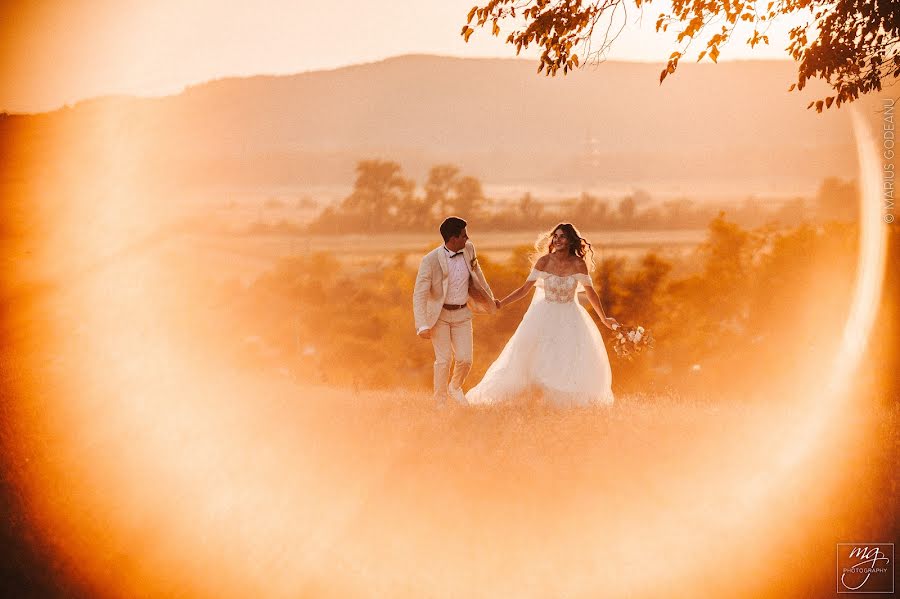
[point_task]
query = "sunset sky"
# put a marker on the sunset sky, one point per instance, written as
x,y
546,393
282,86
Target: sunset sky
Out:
x,y
58,52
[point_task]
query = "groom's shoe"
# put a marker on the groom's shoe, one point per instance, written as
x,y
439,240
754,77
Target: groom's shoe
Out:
x,y
458,396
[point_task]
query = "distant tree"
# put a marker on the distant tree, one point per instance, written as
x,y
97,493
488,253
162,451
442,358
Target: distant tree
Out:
x,y
609,280
728,253
449,192
601,212
679,210
791,213
438,188
750,212
642,197
709,309
469,198
383,199
642,287
627,208
835,200
378,192
528,209
414,212
651,217
853,45
586,211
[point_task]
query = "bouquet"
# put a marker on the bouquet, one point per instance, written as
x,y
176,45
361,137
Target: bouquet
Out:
x,y
629,340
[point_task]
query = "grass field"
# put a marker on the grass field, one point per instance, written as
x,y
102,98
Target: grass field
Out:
x,y
197,482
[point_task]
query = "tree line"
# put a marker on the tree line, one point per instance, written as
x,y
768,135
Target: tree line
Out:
x,y
384,199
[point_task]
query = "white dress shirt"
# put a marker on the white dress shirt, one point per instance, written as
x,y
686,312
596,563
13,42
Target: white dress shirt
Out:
x,y
457,279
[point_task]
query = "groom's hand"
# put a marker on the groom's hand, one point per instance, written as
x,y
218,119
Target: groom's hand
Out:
x,y
425,334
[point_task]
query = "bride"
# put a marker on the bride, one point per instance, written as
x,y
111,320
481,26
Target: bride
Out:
x,y
556,349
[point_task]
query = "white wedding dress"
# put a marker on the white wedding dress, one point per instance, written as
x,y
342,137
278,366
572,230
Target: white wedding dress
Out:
x,y
556,349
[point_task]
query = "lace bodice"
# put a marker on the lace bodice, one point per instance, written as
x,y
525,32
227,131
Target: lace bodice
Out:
x,y
559,288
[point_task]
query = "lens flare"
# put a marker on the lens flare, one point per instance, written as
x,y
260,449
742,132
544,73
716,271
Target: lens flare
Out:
x,y
150,468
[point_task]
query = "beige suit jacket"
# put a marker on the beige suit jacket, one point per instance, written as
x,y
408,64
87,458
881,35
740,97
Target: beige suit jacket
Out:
x,y
431,286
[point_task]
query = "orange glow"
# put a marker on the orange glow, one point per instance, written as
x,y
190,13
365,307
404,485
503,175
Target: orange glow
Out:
x,y
148,466
154,471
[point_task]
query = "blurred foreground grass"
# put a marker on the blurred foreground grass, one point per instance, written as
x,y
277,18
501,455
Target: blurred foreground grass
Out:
x,y
209,483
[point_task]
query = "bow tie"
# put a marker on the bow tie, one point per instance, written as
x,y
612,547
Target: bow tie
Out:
x,y
455,254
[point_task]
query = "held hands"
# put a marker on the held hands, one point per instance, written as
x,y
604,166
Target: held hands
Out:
x,y
425,334
498,303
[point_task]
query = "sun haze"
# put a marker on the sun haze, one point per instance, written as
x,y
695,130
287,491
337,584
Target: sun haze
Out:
x,y
56,53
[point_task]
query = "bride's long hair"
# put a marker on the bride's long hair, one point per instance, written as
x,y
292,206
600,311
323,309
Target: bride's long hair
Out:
x,y
578,245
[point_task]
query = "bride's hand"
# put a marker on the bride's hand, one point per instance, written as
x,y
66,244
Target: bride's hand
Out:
x,y
611,323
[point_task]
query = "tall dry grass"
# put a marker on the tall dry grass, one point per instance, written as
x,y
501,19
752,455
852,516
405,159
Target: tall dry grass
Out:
x,y
199,482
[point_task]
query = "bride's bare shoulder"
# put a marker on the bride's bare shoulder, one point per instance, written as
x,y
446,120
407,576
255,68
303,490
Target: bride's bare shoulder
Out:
x,y
542,262
581,266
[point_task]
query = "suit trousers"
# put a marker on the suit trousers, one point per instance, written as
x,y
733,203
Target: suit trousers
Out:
x,y
451,337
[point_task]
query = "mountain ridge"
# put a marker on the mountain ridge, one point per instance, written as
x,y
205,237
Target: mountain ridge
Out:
x,y
608,124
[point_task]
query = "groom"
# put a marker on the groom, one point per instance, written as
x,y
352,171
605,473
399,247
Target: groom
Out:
x,y
449,288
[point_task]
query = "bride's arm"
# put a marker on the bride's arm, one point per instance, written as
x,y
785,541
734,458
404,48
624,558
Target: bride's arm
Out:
x,y
592,296
524,289
517,294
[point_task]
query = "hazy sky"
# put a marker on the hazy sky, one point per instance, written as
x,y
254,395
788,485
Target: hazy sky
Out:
x,y
54,52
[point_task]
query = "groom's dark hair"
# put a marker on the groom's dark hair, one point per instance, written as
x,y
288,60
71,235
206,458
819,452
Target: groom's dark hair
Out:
x,y
452,227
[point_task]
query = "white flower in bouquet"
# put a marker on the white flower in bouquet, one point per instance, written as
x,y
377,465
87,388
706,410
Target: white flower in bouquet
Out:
x,y
631,340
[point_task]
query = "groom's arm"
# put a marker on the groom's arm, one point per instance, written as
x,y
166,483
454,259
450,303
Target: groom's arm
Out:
x,y
420,295
479,275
